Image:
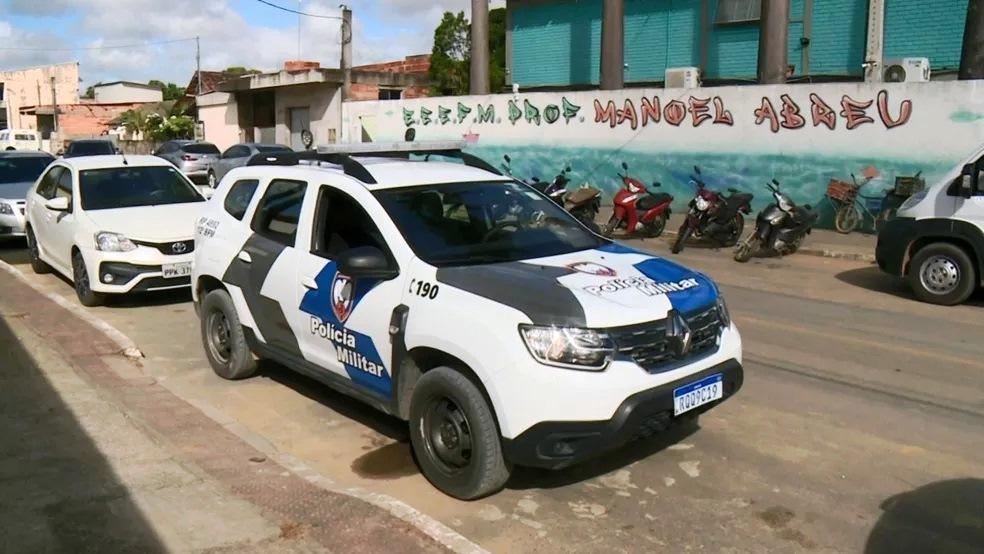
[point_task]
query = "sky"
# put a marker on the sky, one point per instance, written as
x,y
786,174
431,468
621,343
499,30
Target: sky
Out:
x,y
233,33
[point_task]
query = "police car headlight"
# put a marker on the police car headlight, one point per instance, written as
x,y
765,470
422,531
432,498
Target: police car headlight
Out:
x,y
6,209
723,314
113,242
568,347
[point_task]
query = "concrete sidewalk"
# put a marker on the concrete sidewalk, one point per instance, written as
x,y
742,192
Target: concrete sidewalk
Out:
x,y
821,242
96,456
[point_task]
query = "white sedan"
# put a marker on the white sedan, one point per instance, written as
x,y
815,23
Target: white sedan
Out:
x,y
113,225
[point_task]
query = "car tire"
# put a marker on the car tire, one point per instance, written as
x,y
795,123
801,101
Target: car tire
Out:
x,y
80,280
223,338
455,437
38,265
942,273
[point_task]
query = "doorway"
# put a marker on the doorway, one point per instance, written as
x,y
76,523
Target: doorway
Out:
x,y
300,120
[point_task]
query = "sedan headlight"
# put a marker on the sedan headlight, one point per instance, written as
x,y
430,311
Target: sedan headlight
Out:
x,y
113,242
723,314
911,201
568,347
6,209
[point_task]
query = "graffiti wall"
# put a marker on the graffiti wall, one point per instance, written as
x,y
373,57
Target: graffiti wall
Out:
x,y
803,135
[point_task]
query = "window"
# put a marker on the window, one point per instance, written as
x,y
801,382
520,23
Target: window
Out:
x,y
23,169
279,211
63,188
738,11
390,94
4,136
238,151
201,148
341,223
134,186
24,136
46,188
239,197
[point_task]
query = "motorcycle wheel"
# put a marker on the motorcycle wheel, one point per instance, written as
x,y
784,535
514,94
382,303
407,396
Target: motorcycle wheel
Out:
x,y
590,224
847,219
746,249
656,227
737,227
795,245
609,229
681,239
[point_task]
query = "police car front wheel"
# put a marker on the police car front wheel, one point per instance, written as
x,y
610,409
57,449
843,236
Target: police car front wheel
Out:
x,y
223,338
455,437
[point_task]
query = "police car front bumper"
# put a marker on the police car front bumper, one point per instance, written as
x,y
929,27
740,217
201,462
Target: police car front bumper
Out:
x,y
558,444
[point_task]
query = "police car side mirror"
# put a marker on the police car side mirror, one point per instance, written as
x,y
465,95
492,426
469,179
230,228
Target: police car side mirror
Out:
x,y
366,262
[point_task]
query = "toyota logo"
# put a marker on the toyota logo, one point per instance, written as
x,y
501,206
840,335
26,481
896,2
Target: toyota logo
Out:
x,y
179,248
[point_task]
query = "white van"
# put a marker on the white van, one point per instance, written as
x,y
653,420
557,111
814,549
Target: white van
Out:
x,y
19,139
937,240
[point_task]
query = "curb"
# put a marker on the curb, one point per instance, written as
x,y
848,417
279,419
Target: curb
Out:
x,y
128,348
820,252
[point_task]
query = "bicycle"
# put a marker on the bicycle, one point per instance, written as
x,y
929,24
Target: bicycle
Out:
x,y
851,206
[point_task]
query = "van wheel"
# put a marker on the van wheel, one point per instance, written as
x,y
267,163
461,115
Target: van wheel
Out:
x,y
223,338
83,289
942,273
34,252
455,437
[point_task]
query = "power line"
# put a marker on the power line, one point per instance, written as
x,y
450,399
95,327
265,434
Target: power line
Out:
x,y
110,47
288,10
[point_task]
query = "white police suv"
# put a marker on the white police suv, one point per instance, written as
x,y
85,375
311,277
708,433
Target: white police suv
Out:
x,y
460,300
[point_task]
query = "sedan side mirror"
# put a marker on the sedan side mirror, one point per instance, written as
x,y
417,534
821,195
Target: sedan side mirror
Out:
x,y
366,262
57,204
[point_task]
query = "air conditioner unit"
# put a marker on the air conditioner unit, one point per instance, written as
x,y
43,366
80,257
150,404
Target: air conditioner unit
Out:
x,y
682,77
906,70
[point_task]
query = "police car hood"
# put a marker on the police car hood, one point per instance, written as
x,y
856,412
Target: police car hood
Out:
x,y
161,223
609,286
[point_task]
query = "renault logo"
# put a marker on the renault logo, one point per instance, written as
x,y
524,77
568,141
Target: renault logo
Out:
x,y
678,334
179,248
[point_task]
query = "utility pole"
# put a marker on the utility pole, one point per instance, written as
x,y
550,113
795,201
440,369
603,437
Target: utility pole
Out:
x,y
972,55
54,105
873,52
612,45
346,62
479,70
298,29
198,67
773,39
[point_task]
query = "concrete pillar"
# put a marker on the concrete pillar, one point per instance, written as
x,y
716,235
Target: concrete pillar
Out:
x,y
612,45
346,63
479,82
972,55
874,49
773,42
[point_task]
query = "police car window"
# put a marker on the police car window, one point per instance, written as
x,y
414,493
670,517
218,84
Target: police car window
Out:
x,y
46,188
239,197
485,222
279,211
341,223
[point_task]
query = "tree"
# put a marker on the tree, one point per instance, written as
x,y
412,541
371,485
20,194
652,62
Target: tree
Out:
x,y
240,70
451,55
171,91
90,92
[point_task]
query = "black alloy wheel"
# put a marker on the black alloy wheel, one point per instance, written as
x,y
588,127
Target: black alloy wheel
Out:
x,y
80,278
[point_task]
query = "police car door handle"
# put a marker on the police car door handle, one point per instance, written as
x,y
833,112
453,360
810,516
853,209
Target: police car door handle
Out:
x,y
245,257
309,283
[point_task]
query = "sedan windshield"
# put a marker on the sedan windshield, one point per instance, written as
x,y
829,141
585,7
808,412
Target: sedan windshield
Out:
x,y
131,187
200,148
90,148
478,223
22,169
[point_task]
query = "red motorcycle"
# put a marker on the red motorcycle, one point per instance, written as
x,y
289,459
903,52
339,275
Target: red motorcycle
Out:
x,y
638,209
713,215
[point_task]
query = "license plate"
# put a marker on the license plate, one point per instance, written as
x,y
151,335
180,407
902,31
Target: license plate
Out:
x,y
172,271
698,393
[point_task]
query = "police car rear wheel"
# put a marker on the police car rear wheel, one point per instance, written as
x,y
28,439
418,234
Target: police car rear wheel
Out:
x,y
222,335
455,437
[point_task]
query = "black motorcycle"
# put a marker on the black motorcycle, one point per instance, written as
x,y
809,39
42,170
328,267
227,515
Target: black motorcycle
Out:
x,y
713,215
780,227
583,203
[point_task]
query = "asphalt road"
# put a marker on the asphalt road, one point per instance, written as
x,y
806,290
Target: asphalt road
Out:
x,y
860,427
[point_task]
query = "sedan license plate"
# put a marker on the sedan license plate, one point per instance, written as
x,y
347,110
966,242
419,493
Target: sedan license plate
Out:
x,y
698,393
172,271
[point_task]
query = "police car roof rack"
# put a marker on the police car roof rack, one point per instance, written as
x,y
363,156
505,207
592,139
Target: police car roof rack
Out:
x,y
344,156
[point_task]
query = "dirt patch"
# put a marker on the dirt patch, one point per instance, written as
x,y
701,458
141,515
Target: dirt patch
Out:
x,y
776,516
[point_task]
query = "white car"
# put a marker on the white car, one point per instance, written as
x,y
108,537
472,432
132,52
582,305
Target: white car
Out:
x,y
19,139
460,300
19,171
113,225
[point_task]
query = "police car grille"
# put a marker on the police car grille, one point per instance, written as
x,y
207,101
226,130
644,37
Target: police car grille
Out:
x,y
646,342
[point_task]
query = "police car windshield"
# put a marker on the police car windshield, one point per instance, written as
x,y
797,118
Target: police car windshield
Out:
x,y
135,186
478,223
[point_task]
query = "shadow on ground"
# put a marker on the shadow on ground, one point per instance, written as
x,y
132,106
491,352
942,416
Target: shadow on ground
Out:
x,y
946,516
57,492
875,280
